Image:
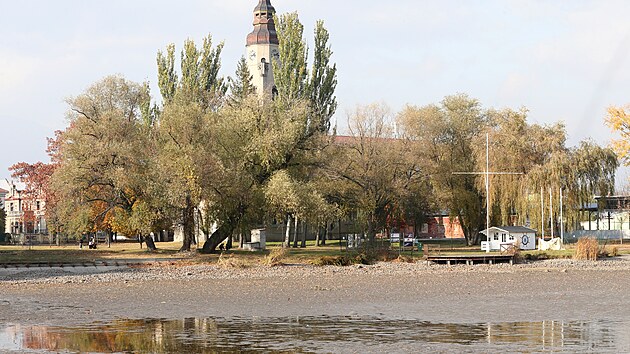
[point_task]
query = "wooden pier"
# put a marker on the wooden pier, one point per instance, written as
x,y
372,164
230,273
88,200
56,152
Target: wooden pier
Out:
x,y
470,259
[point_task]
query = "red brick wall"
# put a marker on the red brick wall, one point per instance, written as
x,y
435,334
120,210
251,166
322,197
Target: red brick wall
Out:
x,y
442,227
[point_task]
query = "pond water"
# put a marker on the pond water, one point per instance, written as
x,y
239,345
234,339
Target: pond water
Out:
x,y
317,335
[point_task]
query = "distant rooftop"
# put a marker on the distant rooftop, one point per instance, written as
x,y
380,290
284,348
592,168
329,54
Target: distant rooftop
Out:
x,y
510,229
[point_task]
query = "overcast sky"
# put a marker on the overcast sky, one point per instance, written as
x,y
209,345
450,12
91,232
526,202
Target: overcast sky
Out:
x,y
563,60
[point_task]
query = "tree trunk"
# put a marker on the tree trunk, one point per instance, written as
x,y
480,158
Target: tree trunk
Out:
x,y
150,244
188,219
223,232
295,233
326,234
303,243
287,233
318,237
471,234
228,244
371,233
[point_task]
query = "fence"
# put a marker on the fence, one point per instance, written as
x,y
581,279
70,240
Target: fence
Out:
x,y
36,239
573,236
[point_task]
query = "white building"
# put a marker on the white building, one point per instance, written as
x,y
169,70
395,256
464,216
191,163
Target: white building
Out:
x,y
523,237
24,214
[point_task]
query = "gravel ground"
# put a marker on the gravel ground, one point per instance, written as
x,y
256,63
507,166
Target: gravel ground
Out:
x,y
543,290
168,271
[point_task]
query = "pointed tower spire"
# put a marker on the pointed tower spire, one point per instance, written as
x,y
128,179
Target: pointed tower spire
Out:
x,y
263,49
264,26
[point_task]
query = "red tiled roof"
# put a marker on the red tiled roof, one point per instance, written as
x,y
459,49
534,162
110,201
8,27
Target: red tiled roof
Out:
x,y
2,191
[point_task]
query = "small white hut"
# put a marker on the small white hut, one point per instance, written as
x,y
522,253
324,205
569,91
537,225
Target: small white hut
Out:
x,y
522,236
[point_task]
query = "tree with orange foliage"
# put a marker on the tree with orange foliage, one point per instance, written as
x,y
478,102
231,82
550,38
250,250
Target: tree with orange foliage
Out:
x,y
36,178
618,120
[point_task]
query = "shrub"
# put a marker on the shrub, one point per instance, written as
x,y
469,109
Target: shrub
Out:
x,y
333,260
276,257
231,262
403,259
587,248
605,251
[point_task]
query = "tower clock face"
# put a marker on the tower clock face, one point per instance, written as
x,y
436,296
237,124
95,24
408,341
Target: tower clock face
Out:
x,y
252,55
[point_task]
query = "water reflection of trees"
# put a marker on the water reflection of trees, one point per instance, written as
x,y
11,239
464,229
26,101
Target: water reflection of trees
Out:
x,y
189,335
553,334
313,334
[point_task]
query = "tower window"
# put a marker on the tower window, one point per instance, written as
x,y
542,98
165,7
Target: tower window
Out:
x,y
263,67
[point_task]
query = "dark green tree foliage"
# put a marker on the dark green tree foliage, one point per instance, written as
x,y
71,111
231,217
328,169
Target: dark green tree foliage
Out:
x,y
241,85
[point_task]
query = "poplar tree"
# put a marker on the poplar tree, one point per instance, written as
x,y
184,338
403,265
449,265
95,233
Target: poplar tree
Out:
x,y
199,73
290,72
292,77
167,76
323,81
241,85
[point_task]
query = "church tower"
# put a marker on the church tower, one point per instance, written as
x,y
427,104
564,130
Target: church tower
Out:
x,y
262,48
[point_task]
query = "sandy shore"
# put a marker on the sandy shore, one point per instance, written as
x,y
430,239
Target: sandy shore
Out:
x,y
547,290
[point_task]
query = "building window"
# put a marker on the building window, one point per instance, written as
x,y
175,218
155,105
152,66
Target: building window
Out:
x,y
511,237
11,206
496,237
38,205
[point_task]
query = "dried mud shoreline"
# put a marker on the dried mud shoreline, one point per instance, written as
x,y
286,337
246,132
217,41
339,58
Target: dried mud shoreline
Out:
x,y
544,290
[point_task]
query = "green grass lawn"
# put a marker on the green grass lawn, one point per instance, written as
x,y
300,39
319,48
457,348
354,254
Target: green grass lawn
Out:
x,y
310,254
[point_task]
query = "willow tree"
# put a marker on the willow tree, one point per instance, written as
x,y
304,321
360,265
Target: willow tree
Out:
x,y
445,135
546,164
104,157
251,142
300,201
370,168
190,98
